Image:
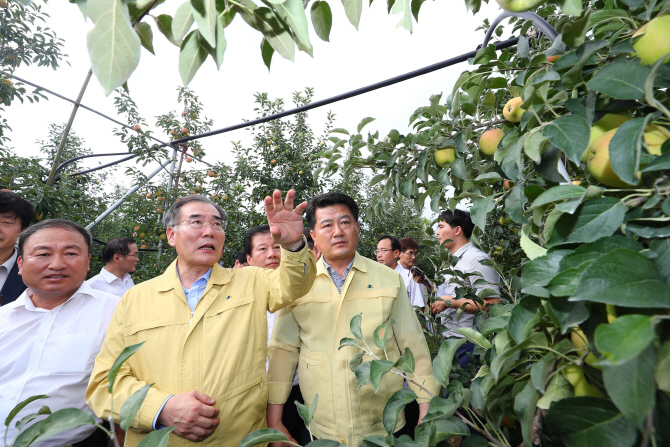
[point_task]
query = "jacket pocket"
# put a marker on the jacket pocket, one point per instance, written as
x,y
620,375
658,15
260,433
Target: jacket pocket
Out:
x,y
241,410
232,323
315,378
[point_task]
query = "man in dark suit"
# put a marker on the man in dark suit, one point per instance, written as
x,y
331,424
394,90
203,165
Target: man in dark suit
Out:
x,y
16,214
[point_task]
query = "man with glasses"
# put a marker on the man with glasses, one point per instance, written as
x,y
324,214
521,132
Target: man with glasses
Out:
x,y
121,257
414,280
203,328
387,252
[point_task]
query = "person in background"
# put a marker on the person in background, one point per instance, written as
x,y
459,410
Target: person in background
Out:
x,y
240,260
120,256
454,230
51,334
307,333
204,330
263,252
310,243
409,253
387,252
16,213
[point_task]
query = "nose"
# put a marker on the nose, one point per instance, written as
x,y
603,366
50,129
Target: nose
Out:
x,y
57,262
207,230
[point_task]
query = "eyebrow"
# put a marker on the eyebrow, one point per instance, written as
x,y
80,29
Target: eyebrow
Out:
x,y
47,247
194,216
327,220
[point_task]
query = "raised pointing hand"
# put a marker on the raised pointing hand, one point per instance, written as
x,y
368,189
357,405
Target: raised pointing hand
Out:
x,y
286,224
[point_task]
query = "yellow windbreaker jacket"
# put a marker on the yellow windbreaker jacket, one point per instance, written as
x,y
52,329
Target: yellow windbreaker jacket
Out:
x,y
220,350
308,332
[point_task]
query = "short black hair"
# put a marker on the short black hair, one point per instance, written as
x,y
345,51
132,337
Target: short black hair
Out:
x,y
241,256
248,238
53,223
308,236
408,243
11,202
395,243
458,218
116,246
329,199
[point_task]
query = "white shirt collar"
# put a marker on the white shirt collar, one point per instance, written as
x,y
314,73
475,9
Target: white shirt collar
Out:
x,y
25,301
110,277
9,263
463,249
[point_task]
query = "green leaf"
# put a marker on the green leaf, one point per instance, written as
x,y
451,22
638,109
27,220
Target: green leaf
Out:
x,y
356,361
624,149
158,438
558,193
380,335
183,19
164,25
623,278
622,79
570,133
20,406
585,421
31,417
116,366
480,208
113,45
440,408
141,4
661,163
322,19
529,247
206,20
448,428
394,406
346,341
474,337
132,406
262,436
353,9
364,122
494,324
221,43
574,32
293,13
146,36
662,370
323,443
191,56
559,388
362,374
377,369
409,361
355,326
593,219
305,412
525,315
515,203
649,90
625,338
584,54
266,52
631,386
62,420
443,361
264,20
539,272
525,404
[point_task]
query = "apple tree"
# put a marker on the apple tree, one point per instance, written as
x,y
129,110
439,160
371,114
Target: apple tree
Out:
x,y
569,141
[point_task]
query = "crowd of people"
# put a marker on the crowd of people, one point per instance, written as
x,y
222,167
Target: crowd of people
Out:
x,y
226,350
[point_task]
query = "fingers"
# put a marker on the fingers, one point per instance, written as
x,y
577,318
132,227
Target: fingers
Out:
x,y
300,209
205,399
277,201
208,411
290,197
269,207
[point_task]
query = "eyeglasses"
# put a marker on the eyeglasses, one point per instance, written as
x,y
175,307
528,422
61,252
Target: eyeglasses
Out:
x,y
136,255
411,254
383,250
217,225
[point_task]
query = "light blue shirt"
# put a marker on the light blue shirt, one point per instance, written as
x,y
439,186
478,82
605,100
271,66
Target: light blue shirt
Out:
x,y
337,279
193,295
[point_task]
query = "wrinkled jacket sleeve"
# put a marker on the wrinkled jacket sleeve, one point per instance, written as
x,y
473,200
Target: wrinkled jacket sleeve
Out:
x,y
408,334
283,352
97,394
292,280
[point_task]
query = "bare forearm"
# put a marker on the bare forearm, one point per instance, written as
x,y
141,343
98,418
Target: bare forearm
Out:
x,y
471,306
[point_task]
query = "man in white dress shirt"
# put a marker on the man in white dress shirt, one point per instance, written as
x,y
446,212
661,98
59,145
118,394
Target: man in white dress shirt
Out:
x,y
121,257
51,334
454,230
265,253
387,252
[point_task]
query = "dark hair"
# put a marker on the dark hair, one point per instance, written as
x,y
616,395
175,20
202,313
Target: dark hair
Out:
x,y
116,246
171,217
11,202
54,223
308,236
458,218
395,243
241,256
329,199
408,243
248,238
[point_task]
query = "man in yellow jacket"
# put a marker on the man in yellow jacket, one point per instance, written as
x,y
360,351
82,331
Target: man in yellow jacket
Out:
x,y
307,332
204,330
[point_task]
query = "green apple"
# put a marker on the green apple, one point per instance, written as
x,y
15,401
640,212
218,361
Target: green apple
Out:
x,y
655,40
512,110
598,161
604,124
655,136
488,142
519,5
445,156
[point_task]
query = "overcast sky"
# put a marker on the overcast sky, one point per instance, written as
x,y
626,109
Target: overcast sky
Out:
x,y
352,59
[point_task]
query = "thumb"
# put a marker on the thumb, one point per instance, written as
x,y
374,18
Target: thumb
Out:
x,y
205,399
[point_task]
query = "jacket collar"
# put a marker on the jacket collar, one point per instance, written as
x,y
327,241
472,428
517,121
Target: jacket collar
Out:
x,y
359,264
170,280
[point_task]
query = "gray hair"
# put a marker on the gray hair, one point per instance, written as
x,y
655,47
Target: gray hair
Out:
x,y
53,223
171,218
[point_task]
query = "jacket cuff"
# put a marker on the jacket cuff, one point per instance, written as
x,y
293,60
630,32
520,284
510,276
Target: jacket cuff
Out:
x,y
278,392
296,257
428,382
153,403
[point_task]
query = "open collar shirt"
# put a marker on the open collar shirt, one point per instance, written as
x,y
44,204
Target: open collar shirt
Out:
x,y
414,289
6,267
307,334
51,352
110,283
